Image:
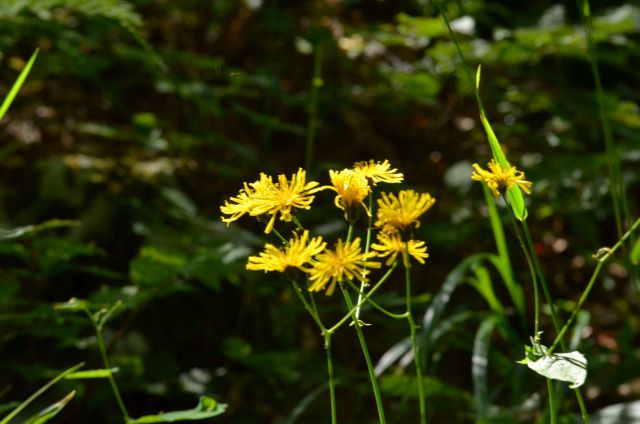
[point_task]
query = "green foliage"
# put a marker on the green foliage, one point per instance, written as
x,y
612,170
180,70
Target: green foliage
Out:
x,y
207,407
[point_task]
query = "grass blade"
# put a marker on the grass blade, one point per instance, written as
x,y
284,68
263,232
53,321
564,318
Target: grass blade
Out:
x,y
18,84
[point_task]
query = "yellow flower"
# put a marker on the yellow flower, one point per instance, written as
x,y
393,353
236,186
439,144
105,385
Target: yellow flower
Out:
x,y
296,254
346,261
264,197
399,214
352,188
392,246
499,178
378,172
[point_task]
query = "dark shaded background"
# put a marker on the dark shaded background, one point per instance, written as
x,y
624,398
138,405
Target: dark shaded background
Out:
x,y
141,117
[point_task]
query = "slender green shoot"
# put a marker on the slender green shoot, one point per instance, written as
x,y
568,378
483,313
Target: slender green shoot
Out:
x,y
13,92
602,257
414,339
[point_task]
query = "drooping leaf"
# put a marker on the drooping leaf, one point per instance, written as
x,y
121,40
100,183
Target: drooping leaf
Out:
x,y
50,411
207,408
570,367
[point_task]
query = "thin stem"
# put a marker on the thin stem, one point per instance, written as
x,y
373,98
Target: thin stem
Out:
x,y
332,386
365,299
367,357
414,339
105,361
316,83
601,261
367,246
373,303
282,239
307,306
297,222
552,309
553,409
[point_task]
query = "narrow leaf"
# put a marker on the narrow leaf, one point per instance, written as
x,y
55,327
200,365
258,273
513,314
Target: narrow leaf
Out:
x,y
514,193
50,411
207,408
29,229
83,375
480,366
18,84
40,391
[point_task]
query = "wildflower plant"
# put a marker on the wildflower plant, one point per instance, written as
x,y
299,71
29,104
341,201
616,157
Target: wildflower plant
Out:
x,y
313,265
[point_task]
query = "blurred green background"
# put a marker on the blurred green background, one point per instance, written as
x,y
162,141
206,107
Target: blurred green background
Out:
x,y
140,117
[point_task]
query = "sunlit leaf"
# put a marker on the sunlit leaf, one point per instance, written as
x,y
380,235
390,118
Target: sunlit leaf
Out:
x,y
635,253
88,374
570,367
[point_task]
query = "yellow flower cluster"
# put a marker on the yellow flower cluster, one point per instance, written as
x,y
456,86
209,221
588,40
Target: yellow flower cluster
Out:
x,y
265,197
325,267
498,178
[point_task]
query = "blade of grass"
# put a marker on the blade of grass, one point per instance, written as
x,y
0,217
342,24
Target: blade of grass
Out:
x,y
18,84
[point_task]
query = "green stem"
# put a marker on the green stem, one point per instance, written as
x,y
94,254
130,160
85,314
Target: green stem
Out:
x,y
552,309
367,246
373,303
618,190
414,339
367,357
365,298
282,239
105,360
316,83
592,280
307,306
553,410
332,386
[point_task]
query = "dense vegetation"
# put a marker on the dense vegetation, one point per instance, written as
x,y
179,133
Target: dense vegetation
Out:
x,y
140,118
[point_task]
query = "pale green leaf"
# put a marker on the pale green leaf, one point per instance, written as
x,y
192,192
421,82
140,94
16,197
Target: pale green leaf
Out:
x,y
207,408
50,411
82,375
570,367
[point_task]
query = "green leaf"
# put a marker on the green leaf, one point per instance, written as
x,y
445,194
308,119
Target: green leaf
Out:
x,y
207,408
28,229
50,411
570,367
635,253
514,193
83,375
17,85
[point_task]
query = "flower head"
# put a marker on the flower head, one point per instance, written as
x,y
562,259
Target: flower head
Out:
x,y
296,254
392,245
401,213
377,172
265,197
346,261
498,178
352,188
